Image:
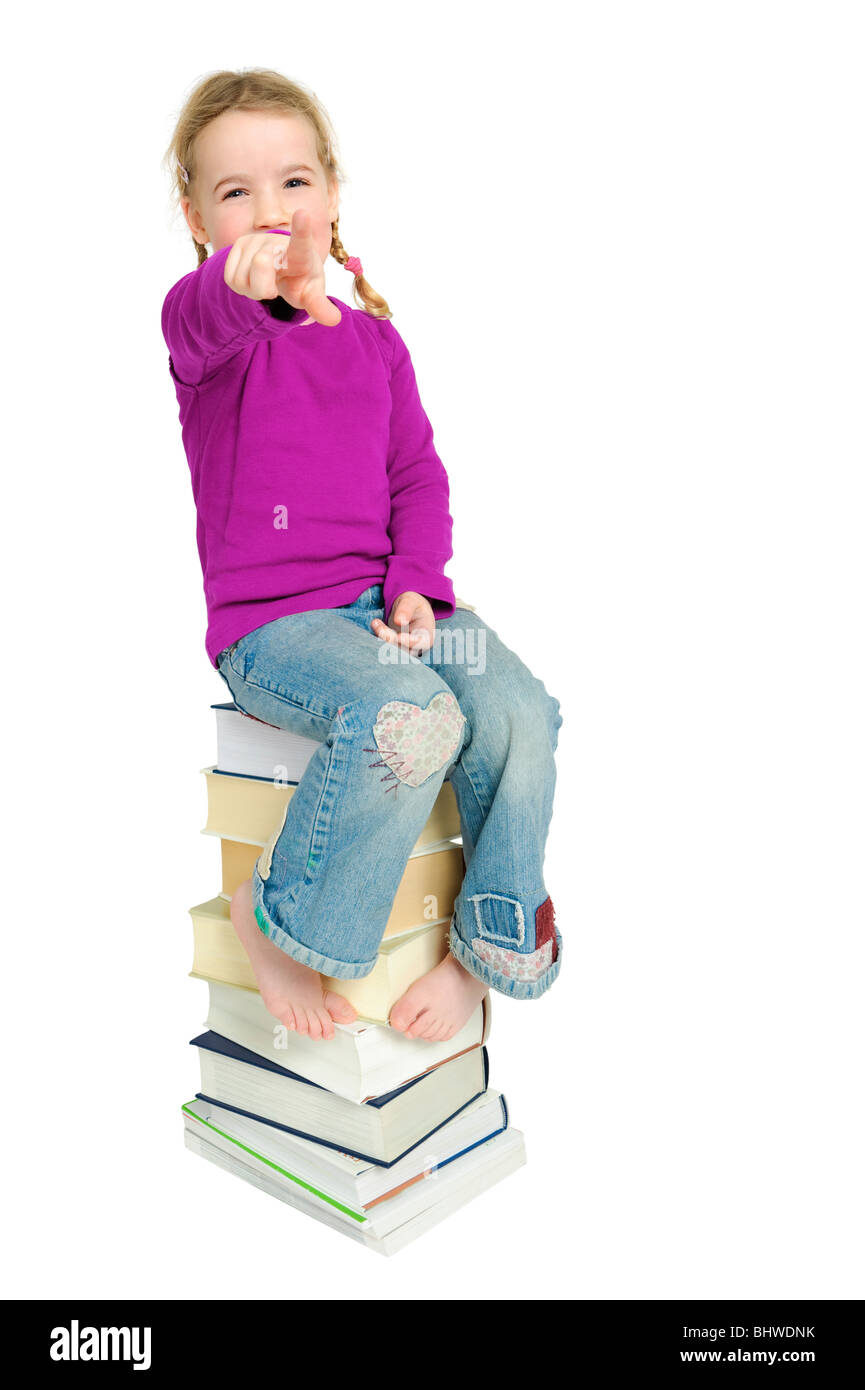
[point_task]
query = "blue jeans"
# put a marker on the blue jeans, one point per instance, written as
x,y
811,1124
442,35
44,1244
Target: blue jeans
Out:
x,y
391,727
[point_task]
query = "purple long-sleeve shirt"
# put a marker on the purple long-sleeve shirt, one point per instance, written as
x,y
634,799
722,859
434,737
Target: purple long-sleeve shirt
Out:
x,y
313,466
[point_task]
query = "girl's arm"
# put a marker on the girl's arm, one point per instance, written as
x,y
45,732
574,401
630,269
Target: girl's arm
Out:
x,y
205,322
420,526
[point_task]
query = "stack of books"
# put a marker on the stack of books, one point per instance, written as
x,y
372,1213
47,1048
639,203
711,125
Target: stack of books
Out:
x,y
375,1134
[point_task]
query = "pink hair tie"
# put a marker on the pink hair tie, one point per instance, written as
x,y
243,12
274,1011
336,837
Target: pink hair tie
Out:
x,y
353,264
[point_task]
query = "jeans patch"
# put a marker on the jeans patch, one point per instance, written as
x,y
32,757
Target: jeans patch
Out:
x,y
502,919
545,925
263,864
413,742
513,963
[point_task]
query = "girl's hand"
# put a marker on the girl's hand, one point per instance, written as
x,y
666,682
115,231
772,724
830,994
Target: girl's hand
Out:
x,y
261,265
412,614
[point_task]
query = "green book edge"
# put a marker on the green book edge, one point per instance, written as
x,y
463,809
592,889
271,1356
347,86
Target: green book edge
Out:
x,y
356,1216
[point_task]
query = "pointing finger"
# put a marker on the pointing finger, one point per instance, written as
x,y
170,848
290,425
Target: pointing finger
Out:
x,y
301,224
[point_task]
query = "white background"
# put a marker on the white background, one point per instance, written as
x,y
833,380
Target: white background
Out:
x,y
624,244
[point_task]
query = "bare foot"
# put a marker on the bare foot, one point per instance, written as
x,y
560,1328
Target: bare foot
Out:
x,y
438,1004
290,991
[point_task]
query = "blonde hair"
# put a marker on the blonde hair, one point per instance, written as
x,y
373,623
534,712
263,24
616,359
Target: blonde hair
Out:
x,y
260,89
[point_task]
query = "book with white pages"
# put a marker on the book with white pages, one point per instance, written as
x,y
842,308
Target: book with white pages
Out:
x,y
341,1177
248,747
382,1130
360,1061
396,1223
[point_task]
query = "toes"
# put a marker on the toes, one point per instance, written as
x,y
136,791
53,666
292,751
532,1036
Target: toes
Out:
x,y
301,1020
340,1010
403,1013
326,1022
314,1023
419,1026
405,1021
279,1010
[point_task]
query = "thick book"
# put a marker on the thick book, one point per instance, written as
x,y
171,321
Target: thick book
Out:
x,y
381,1130
245,808
338,1178
219,954
416,1210
427,891
359,1062
250,746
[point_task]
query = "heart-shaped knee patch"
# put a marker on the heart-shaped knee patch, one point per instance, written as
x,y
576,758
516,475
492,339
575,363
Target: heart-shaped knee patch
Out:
x,y
417,742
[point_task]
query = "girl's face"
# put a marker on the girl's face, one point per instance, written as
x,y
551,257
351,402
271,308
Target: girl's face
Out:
x,y
253,170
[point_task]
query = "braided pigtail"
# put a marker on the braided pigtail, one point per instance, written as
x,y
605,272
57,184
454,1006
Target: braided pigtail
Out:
x,y
363,290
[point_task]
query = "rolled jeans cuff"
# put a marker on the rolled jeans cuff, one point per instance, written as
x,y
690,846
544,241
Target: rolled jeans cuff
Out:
x,y
514,973
325,965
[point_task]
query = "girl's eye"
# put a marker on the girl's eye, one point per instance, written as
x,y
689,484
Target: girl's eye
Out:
x,y
232,191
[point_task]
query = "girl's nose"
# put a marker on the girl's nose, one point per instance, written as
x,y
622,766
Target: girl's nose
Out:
x,y
269,212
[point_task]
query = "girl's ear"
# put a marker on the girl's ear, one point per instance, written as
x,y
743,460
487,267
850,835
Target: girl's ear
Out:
x,y
193,220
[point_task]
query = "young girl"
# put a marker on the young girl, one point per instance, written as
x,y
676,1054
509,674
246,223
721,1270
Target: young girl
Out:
x,y
323,533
